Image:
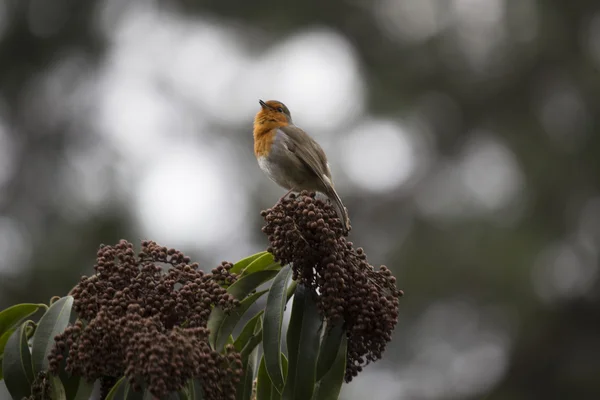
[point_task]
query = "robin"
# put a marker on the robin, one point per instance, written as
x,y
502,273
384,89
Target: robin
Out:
x,y
290,157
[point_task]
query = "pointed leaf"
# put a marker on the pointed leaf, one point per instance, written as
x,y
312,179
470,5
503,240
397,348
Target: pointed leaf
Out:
x,y
253,341
240,289
293,339
264,388
251,345
329,349
291,290
84,390
248,331
230,321
53,322
274,266
71,383
184,393
3,340
303,345
197,393
189,389
13,316
18,372
244,389
118,388
243,263
246,284
274,309
264,262
284,365
57,390
330,386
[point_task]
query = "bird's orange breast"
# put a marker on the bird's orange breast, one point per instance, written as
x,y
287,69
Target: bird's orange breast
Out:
x,y
266,124
263,140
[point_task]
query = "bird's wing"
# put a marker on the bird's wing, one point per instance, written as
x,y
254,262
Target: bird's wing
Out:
x,y
300,143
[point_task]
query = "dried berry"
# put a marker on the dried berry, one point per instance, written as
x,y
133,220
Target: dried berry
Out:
x,y
307,232
148,322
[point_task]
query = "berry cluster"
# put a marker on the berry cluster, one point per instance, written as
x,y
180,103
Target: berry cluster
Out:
x,y
149,324
40,388
307,232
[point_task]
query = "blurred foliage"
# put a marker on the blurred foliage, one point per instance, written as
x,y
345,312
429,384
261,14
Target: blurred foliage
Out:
x,y
490,265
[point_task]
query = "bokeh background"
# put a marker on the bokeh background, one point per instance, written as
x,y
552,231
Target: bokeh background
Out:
x,y
462,134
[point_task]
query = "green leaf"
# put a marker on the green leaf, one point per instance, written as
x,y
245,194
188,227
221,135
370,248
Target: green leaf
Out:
x,y
251,345
248,331
243,263
53,322
291,290
330,386
284,364
118,388
18,372
264,388
253,341
183,394
84,390
70,382
240,289
262,263
274,309
246,284
293,339
13,316
195,389
192,390
189,388
57,390
4,339
303,339
244,388
230,321
329,349
252,269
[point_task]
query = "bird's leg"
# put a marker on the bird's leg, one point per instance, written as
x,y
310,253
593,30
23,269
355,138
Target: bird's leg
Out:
x,y
285,195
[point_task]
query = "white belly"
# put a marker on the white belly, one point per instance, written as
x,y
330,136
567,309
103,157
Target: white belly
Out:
x,y
274,172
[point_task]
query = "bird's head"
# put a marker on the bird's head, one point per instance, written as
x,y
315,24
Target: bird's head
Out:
x,y
273,113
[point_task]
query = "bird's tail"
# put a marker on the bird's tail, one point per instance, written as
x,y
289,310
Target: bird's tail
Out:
x,y
342,212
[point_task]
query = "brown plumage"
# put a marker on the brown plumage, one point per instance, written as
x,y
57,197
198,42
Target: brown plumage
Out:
x,y
290,157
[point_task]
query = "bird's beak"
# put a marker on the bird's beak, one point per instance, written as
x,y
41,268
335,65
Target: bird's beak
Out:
x,y
263,104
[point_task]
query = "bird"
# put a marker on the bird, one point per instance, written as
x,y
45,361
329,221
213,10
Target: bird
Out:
x,y
290,157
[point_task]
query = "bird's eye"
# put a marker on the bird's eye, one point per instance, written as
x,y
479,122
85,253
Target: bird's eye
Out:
x,y
280,109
